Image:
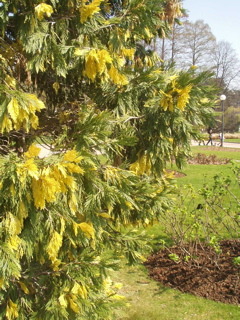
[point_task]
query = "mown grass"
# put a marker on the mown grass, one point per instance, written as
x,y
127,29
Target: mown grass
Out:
x,y
229,153
233,140
149,300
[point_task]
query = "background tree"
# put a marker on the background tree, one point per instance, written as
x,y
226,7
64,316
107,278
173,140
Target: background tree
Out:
x,y
74,77
198,42
232,119
226,65
190,44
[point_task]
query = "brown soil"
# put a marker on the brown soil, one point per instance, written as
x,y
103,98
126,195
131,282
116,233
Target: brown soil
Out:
x,y
208,275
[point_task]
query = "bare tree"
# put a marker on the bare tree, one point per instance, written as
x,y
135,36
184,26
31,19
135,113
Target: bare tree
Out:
x,y
226,65
197,44
189,44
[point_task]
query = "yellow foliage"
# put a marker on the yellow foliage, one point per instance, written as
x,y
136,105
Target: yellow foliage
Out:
x,y
63,224
141,166
54,246
103,58
22,212
79,290
128,52
44,189
183,97
12,310
11,82
55,264
14,242
148,33
73,305
99,61
175,94
33,151
87,229
116,77
96,62
33,103
69,182
6,124
204,100
166,101
27,168
20,114
23,287
104,215
1,282
13,224
14,228
43,10
12,190
63,300
91,68
73,203
56,87
71,167
88,10
75,228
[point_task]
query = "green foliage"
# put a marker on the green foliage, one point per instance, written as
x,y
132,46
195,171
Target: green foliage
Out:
x,y
78,79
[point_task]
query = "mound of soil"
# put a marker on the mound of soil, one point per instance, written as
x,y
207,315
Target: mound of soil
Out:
x,y
208,275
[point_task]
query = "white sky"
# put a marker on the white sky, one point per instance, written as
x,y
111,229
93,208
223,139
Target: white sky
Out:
x,y
222,16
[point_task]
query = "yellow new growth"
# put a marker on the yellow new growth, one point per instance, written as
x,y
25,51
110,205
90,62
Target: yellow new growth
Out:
x,y
96,63
22,213
184,96
99,62
11,82
88,10
116,77
1,282
175,95
13,224
6,124
43,10
54,246
63,301
73,304
28,168
13,109
12,310
128,52
87,229
23,287
166,101
33,151
79,290
22,113
45,188
141,166
50,181
14,228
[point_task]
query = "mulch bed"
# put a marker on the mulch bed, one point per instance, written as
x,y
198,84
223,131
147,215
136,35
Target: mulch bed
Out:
x,y
207,275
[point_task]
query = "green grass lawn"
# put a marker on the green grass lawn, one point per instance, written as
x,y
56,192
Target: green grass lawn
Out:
x,y
233,140
229,153
149,300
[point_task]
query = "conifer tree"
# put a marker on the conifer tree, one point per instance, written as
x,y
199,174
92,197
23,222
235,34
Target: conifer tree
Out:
x,y
77,77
